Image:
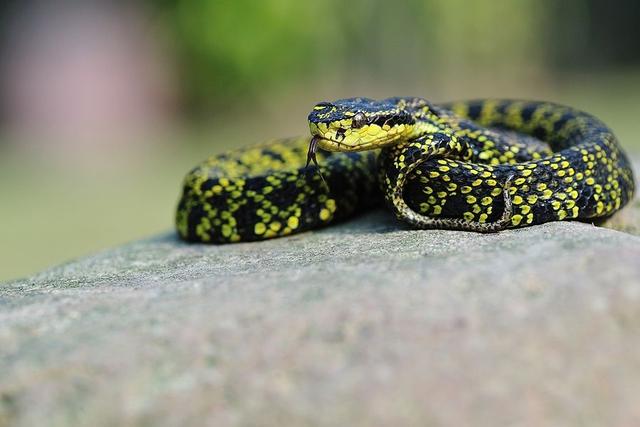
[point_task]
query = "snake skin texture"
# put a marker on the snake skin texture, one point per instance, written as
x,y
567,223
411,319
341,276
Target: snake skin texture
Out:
x,y
266,191
483,166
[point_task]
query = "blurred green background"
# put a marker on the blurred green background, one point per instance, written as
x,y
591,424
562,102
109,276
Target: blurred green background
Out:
x,y
105,105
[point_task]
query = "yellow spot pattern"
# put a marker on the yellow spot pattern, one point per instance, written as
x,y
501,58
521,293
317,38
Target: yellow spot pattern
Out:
x,y
436,165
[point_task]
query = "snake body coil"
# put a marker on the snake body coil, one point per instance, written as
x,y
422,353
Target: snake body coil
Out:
x,y
481,166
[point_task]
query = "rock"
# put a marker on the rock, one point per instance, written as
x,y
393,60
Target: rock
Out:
x,y
363,323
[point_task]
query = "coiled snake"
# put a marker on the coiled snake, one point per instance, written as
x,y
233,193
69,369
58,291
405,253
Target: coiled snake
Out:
x,y
483,166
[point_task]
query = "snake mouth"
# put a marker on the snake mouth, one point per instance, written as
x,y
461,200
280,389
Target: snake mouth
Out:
x,y
321,142
343,137
330,144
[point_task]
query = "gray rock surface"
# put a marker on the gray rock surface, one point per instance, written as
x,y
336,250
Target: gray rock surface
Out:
x,y
364,323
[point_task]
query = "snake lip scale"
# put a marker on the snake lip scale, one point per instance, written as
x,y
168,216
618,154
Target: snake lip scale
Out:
x,y
481,165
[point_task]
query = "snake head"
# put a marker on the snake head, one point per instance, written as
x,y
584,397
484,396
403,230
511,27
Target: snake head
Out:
x,y
358,124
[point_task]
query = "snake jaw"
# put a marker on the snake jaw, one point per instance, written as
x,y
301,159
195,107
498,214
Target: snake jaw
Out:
x,y
351,140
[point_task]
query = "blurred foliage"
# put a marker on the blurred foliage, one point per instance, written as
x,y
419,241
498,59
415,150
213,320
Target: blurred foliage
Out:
x,y
594,34
233,49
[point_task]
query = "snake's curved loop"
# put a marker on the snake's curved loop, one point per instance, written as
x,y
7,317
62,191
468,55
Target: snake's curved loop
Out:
x,y
405,213
495,164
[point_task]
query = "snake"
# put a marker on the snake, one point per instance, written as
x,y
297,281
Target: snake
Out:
x,y
482,165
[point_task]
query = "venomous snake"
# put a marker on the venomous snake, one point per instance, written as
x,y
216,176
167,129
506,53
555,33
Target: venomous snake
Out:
x,y
484,166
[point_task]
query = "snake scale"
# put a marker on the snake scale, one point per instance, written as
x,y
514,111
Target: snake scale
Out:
x,y
484,165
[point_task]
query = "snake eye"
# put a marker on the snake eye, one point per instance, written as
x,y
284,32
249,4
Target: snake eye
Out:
x,y
358,121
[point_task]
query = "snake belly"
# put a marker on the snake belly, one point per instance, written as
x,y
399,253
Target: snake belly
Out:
x,y
484,168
